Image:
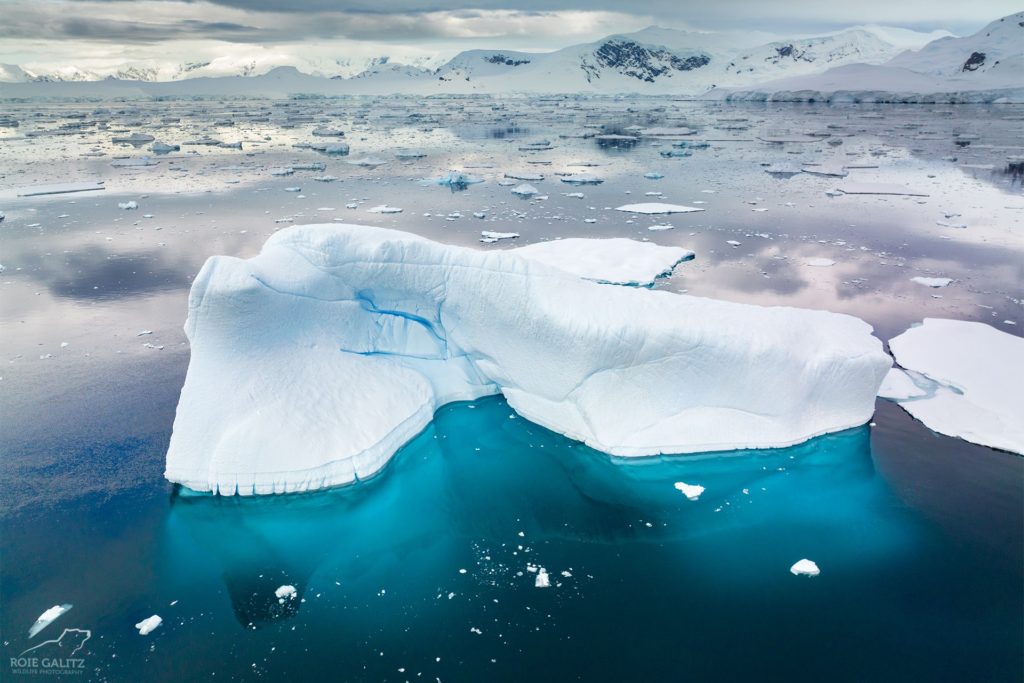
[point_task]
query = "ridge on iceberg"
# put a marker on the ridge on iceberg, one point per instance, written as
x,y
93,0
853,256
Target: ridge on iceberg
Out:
x,y
315,361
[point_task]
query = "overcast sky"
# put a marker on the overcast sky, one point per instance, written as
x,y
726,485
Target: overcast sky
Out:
x,y
93,33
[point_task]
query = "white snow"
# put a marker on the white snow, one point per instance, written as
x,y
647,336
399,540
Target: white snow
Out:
x,y
47,618
691,491
384,327
656,208
898,385
804,568
148,625
977,381
935,282
617,261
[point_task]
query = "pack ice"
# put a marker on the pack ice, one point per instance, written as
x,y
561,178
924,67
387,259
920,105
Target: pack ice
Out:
x,y
315,361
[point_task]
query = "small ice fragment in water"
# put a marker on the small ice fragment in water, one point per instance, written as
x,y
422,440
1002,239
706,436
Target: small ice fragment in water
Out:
x,y
525,190
804,568
819,262
542,580
148,625
490,236
691,491
656,207
285,592
384,208
935,282
47,618
127,206
733,243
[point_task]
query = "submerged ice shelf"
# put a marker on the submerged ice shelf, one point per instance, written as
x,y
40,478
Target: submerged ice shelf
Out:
x,y
315,361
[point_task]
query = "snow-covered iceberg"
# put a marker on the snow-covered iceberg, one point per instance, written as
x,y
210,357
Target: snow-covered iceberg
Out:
x,y
962,379
313,362
615,261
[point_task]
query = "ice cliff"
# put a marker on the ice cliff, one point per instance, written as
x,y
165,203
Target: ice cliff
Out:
x,y
315,361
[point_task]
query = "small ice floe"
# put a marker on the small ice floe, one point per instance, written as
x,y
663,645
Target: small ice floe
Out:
x,y
935,282
406,154
782,170
231,145
143,333
819,262
328,132
574,195
368,162
489,237
656,208
282,170
46,618
613,261
582,179
525,190
148,625
804,567
543,580
133,162
788,137
455,180
325,178
310,166
285,592
947,224
653,175
659,228
976,389
691,491
163,148
879,188
733,243
384,208
293,189
134,138
832,170
666,131
532,177
128,206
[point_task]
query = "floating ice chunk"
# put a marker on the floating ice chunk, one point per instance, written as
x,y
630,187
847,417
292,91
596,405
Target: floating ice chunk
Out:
x,y
783,169
832,170
879,188
134,138
935,282
46,618
819,262
456,180
979,375
691,491
617,261
325,178
898,385
660,228
134,162
148,625
653,175
542,580
656,207
310,166
163,148
384,208
491,236
406,154
533,177
283,170
804,568
339,149
733,243
328,132
285,592
293,189
525,190
231,145
128,206
63,188
788,137
368,162
385,327
666,131
582,179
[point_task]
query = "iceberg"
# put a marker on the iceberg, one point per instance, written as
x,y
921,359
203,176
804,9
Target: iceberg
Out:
x,y
969,380
315,361
616,261
149,624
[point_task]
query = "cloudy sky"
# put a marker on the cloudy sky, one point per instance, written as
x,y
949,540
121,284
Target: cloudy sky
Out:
x,y
103,34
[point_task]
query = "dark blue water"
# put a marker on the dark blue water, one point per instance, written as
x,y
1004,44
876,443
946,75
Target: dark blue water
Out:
x,y
918,538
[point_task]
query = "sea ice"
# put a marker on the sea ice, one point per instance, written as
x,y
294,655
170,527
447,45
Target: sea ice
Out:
x,y
582,179
525,190
148,625
819,262
617,261
691,491
63,188
977,381
655,207
935,282
384,327
804,568
543,580
898,385
384,208
285,592
47,618
129,205
879,188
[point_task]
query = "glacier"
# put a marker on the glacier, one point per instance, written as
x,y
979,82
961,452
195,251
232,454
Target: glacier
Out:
x,y
316,360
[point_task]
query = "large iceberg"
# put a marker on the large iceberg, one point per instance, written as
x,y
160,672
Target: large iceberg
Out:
x,y
313,362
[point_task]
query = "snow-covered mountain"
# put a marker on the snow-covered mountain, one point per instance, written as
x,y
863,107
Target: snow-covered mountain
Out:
x,y
991,60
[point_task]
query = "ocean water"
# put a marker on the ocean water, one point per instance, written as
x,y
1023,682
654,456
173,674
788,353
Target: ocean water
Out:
x,y
424,572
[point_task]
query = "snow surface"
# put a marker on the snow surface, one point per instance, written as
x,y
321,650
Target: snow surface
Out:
x,y
383,327
617,261
148,625
976,389
899,385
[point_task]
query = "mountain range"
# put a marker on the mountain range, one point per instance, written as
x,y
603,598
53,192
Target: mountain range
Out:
x,y
652,61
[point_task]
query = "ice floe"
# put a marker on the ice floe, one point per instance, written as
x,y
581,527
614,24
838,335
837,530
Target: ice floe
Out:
x,y
383,327
805,568
617,261
46,618
972,379
149,624
935,282
656,208
691,491
64,188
